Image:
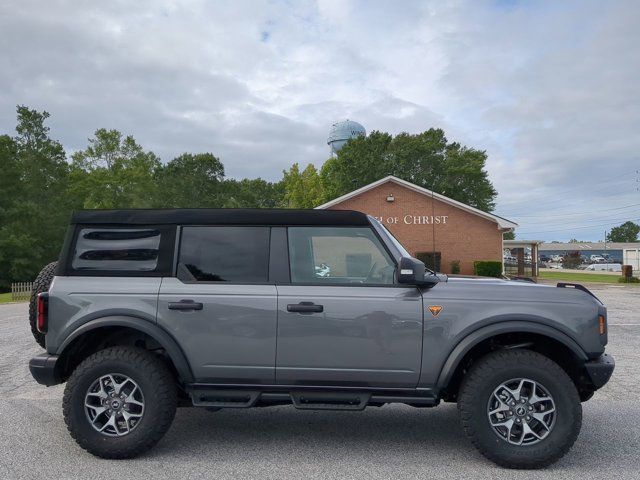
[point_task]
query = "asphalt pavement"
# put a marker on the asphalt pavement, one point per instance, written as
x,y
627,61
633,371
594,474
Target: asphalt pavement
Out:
x,y
281,442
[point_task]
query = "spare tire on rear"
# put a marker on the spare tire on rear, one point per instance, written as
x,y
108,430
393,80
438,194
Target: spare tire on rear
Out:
x,y
41,284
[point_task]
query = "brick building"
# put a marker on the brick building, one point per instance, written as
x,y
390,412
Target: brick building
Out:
x,y
424,222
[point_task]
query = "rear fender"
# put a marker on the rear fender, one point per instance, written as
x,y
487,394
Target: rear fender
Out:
x,y
164,339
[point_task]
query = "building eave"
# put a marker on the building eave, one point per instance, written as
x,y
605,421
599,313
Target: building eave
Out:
x,y
503,223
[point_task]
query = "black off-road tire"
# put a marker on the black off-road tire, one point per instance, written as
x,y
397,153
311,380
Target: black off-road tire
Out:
x,y
497,367
41,284
158,386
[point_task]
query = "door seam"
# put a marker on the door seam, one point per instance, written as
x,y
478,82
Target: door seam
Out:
x,y
275,360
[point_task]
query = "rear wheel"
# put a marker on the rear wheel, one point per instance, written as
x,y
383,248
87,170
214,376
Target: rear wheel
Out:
x,y
40,284
520,409
120,402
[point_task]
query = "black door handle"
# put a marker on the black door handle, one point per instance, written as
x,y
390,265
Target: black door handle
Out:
x,y
185,305
305,307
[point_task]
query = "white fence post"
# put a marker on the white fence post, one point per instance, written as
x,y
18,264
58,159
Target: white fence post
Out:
x,y
21,291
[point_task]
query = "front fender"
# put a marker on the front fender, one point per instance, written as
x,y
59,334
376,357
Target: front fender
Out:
x,y
488,331
164,339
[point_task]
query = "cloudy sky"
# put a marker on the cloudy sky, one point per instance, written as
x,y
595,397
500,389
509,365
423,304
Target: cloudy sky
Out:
x,y
551,90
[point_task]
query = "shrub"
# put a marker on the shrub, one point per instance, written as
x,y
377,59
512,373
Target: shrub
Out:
x,y
629,280
428,259
455,266
572,260
487,268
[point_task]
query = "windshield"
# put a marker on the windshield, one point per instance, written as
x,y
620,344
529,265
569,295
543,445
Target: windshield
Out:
x,y
396,243
394,240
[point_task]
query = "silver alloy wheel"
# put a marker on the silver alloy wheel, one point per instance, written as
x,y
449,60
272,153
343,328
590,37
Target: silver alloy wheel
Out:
x,y
521,411
114,405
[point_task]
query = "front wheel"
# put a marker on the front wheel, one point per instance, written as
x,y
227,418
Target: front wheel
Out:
x,y
520,409
119,402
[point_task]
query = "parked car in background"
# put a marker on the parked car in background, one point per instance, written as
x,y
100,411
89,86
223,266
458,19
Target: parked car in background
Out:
x,y
605,267
510,259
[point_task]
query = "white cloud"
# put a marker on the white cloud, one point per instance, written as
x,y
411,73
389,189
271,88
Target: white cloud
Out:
x,y
549,90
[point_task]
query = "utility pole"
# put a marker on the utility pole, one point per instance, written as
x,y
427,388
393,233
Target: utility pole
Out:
x,y
433,231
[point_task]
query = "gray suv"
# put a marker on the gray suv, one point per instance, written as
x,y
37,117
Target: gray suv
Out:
x,y
153,309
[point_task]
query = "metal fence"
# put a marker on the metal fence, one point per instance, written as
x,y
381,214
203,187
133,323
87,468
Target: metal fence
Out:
x,y
21,291
527,270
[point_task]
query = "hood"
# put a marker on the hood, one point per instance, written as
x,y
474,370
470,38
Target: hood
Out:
x,y
483,288
493,281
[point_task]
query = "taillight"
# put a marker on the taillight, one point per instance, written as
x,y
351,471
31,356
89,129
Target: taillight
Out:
x,y
602,324
43,310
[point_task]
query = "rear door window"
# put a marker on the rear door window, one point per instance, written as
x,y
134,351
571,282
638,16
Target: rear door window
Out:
x,y
117,249
224,254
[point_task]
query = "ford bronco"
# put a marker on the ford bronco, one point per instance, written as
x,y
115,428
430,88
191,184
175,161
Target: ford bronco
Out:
x,y
148,310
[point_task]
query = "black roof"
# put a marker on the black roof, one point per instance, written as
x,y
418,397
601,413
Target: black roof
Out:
x,y
220,216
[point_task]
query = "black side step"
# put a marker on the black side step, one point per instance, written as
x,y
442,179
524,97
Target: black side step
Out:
x,y
224,398
410,400
312,398
330,400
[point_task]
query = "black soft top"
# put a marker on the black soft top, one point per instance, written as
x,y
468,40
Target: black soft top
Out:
x,y
220,216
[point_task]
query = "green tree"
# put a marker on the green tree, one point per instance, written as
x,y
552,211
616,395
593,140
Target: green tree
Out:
x,y
191,181
331,179
509,235
426,159
360,161
114,172
9,192
572,260
33,208
252,193
10,178
627,232
302,189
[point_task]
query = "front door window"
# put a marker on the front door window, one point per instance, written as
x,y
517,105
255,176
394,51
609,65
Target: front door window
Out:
x,y
338,255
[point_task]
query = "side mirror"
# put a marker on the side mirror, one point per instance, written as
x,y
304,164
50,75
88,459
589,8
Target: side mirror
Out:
x,y
412,272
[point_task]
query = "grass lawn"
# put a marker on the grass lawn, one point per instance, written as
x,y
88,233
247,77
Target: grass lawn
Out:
x,y
580,277
5,297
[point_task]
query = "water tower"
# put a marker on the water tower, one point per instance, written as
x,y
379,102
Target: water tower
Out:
x,y
343,131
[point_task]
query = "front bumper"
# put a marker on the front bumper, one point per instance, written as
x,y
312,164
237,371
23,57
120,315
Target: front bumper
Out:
x,y
600,370
43,369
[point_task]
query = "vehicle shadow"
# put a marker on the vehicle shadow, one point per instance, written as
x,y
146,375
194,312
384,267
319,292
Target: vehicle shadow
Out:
x,y
277,431
377,436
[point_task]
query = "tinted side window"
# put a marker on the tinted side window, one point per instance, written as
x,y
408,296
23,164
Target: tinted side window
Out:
x,y
116,249
328,255
224,254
